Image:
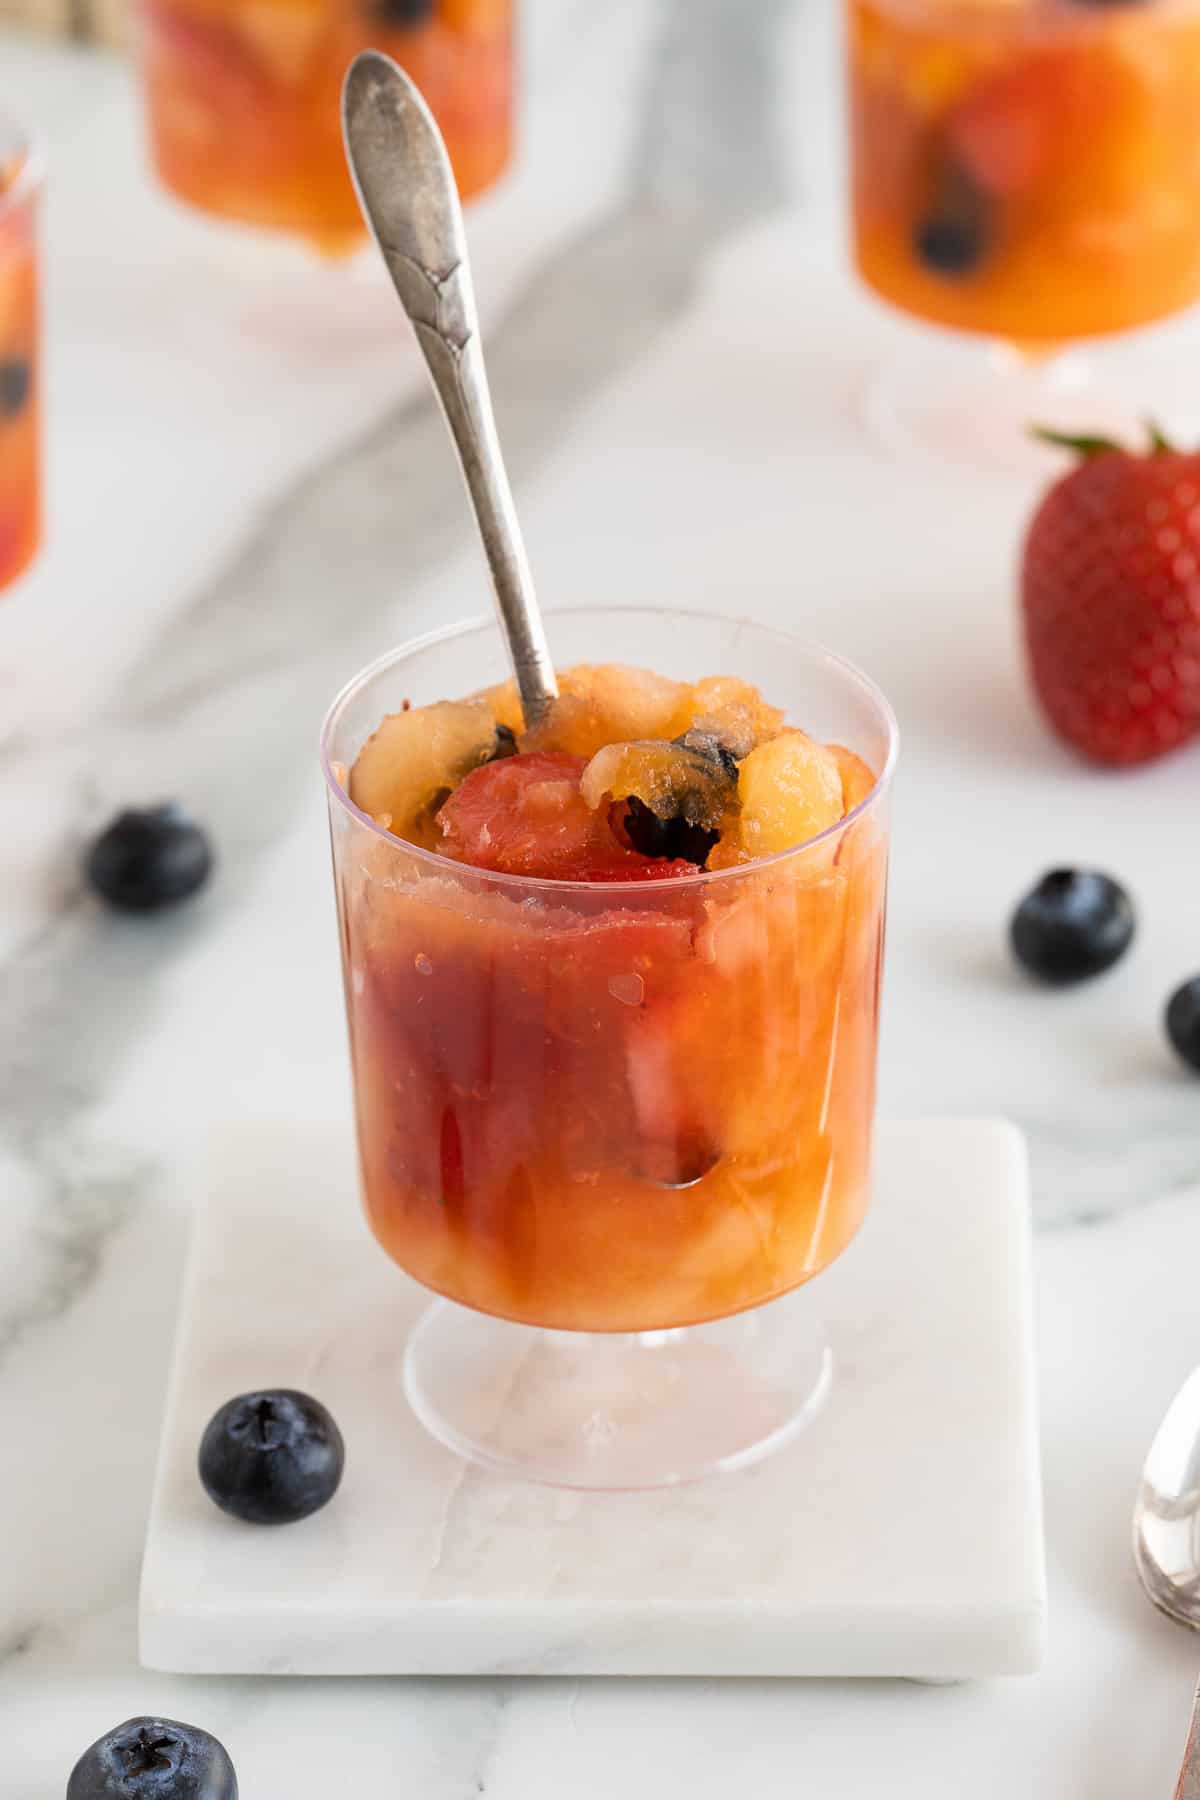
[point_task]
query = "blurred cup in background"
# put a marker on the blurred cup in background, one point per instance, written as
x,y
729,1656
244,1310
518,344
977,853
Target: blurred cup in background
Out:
x,y
243,99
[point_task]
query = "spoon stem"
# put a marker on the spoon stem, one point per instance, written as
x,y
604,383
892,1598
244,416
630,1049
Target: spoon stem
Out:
x,y
460,379
406,188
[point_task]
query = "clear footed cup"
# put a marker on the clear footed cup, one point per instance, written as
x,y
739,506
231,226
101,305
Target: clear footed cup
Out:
x,y
615,1126
1024,172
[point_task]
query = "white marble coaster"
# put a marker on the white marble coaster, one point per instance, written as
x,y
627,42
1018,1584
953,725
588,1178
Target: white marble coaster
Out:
x,y
900,1535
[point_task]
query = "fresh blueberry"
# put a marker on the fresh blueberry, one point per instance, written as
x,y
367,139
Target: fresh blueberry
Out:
x,y
151,858
154,1759
1073,924
271,1458
1183,1021
16,379
954,234
404,12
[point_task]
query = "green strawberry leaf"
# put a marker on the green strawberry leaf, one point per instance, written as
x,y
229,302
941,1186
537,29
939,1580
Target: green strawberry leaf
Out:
x,y
1160,443
1082,444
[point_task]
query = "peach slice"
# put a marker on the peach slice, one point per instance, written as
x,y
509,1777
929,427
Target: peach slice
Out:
x,y
675,781
409,766
857,777
733,711
609,703
791,791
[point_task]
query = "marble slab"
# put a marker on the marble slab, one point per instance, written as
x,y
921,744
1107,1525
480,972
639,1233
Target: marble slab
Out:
x,y
900,1535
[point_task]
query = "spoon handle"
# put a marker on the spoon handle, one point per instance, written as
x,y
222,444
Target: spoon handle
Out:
x,y
1189,1775
408,195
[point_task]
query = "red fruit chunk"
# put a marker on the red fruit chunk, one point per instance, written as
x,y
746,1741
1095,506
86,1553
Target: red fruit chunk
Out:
x,y
632,867
1023,124
525,815
1006,129
1111,594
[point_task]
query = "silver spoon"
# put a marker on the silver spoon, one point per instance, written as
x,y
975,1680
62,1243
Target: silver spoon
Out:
x,y
1166,1538
406,189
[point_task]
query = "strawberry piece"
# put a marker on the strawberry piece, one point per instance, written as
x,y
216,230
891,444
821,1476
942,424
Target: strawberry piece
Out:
x,y
215,59
632,867
1111,599
1005,131
525,815
1015,127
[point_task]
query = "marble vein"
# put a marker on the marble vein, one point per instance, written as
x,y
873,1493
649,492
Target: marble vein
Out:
x,y
1092,1169
17,1642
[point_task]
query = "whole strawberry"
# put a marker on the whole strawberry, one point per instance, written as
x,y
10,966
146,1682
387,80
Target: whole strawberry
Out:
x,y
1111,596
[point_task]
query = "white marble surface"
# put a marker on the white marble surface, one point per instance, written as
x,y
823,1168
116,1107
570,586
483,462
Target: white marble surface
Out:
x,y
250,494
851,1551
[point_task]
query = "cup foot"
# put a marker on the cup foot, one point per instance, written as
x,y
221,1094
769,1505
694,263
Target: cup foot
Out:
x,y
971,405
618,1411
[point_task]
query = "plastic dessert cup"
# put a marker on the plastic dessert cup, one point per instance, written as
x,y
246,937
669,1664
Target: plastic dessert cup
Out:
x,y
243,99
20,471
1024,170
615,1124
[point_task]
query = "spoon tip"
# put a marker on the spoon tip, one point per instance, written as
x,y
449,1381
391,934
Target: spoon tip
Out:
x,y
375,87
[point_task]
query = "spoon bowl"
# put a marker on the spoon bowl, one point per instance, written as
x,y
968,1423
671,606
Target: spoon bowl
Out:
x,y
1166,1519
1166,1538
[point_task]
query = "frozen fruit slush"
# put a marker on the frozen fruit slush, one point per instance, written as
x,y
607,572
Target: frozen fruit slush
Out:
x,y
613,1031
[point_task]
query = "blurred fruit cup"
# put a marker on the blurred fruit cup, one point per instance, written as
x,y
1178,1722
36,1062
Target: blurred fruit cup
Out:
x,y
615,1107
243,100
21,173
1024,170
